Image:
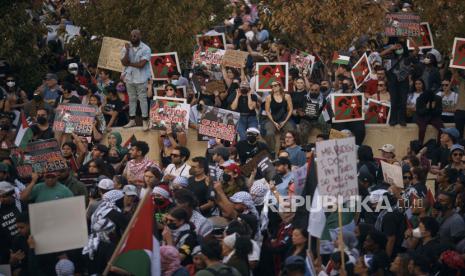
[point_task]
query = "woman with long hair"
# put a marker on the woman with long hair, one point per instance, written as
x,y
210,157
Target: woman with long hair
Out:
x,y
278,107
235,250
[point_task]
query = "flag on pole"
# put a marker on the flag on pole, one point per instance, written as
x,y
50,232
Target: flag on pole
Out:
x,y
317,218
139,251
24,134
131,141
340,59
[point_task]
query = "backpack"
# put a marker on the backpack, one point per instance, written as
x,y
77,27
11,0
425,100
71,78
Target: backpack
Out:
x,y
223,271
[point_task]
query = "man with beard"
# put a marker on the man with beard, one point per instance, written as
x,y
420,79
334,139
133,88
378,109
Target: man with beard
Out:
x,y
250,147
312,106
136,74
285,178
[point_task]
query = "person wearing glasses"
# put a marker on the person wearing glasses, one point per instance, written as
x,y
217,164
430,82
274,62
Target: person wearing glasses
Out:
x,y
178,166
455,158
170,91
382,94
278,107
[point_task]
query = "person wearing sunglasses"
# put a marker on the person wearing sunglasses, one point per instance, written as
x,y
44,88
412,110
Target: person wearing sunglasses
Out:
x,y
170,91
455,157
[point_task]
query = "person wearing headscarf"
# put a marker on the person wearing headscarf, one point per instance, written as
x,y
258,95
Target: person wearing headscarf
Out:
x,y
239,203
236,250
106,227
244,203
162,201
114,141
179,182
171,262
258,191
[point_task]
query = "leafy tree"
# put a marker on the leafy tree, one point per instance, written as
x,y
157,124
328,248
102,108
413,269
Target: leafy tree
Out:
x,y
165,25
19,42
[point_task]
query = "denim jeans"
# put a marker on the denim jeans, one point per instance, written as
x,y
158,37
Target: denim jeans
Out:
x,y
246,121
137,91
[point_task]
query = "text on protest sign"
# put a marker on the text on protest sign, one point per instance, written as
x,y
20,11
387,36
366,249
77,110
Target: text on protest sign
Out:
x,y
424,41
59,225
219,123
235,58
402,24
392,174
75,118
45,156
110,54
169,112
337,167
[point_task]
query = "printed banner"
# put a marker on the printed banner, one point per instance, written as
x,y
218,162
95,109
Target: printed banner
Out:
x,y
347,107
377,112
69,214
269,72
163,63
110,54
166,112
302,60
458,54
45,156
361,71
181,92
219,123
75,118
392,174
425,40
22,162
337,167
217,41
402,24
235,58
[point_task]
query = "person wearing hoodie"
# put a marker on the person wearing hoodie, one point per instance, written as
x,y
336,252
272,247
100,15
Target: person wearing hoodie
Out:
x,y
428,112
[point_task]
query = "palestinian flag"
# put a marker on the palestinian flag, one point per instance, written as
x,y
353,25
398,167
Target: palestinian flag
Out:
x,y
24,134
138,252
131,141
339,59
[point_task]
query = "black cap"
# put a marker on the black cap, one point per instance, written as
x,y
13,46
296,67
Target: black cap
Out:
x,y
365,176
308,147
282,161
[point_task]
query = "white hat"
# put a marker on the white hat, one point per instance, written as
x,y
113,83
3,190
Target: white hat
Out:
x,y
6,187
388,148
253,130
73,66
130,190
106,184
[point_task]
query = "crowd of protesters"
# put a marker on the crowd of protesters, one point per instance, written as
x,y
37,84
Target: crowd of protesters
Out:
x,y
219,226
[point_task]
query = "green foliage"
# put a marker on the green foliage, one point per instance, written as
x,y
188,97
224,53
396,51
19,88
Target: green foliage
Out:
x,y
165,25
18,43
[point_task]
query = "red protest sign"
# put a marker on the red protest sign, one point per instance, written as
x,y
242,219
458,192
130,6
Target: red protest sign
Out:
x,y
424,41
377,112
302,60
219,123
361,71
163,63
347,107
217,41
269,72
458,54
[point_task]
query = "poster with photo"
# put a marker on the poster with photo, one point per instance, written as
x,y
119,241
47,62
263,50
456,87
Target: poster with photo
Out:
x,y
75,118
45,156
219,123
163,63
269,72
181,92
377,112
217,41
347,107
424,41
169,112
458,54
402,24
302,60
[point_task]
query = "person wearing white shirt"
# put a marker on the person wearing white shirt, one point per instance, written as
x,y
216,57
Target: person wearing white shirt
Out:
x,y
178,166
449,102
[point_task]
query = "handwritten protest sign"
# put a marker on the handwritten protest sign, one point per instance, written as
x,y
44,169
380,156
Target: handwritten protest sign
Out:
x,y
110,54
75,118
458,54
337,167
302,60
392,174
214,85
425,40
218,123
347,107
269,72
377,112
300,177
336,134
235,58
45,156
402,24
5,270
163,63
181,92
217,41
169,112
69,214
361,71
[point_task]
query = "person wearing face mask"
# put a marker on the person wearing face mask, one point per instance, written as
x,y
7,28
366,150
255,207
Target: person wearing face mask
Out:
x,y
452,225
136,62
42,130
313,104
37,102
175,78
247,149
163,203
179,232
66,95
398,70
16,96
430,74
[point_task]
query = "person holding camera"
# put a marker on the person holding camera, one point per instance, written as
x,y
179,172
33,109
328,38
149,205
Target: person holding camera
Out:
x,y
245,103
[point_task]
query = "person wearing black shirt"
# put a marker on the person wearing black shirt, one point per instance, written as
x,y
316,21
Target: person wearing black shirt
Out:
x,y
250,147
298,99
374,244
312,106
42,130
112,111
245,103
197,184
8,214
67,96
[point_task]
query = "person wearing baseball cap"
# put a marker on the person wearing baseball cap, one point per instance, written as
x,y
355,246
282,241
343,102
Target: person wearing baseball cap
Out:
x,y
232,181
51,88
388,153
251,146
49,189
131,200
284,179
8,214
